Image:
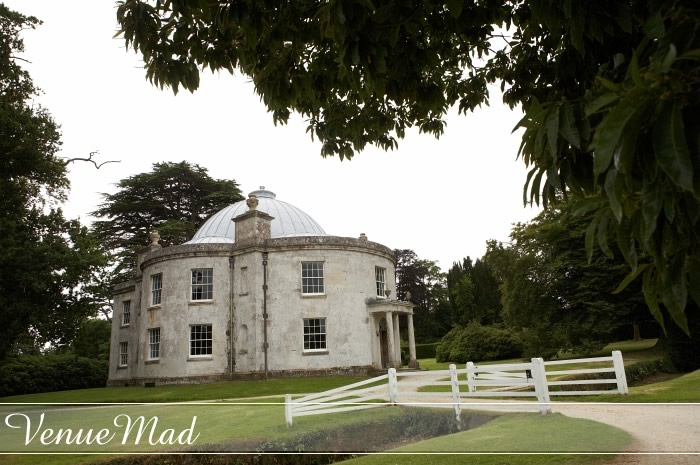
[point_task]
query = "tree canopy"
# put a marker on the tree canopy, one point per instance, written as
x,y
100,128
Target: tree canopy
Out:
x,y
46,260
609,90
174,198
551,291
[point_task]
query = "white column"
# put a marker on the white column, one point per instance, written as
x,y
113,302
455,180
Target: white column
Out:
x,y
412,362
390,340
397,339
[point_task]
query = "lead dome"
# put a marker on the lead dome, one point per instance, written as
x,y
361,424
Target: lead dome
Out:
x,y
288,220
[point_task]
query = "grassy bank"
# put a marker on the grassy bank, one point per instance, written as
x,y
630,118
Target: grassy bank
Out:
x,y
513,433
183,393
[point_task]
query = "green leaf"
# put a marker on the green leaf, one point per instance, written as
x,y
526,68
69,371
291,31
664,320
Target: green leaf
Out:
x,y
608,84
652,202
613,187
670,146
654,26
590,235
626,244
601,102
633,70
567,126
630,277
673,291
603,234
552,124
586,205
649,289
610,131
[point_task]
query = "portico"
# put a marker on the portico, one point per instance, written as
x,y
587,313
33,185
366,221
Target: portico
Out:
x,y
386,323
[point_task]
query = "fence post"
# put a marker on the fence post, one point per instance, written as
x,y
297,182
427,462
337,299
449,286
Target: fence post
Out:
x,y
393,386
455,394
288,416
541,388
471,377
620,375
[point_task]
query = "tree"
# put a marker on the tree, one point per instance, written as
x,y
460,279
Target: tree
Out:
x,y
474,292
174,198
92,340
555,295
609,91
426,283
45,259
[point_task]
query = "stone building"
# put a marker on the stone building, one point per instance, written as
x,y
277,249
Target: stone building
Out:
x,y
260,289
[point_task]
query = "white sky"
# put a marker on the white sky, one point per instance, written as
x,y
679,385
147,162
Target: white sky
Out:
x,y
442,198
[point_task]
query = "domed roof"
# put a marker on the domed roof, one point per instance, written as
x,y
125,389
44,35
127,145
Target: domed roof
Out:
x,y
288,220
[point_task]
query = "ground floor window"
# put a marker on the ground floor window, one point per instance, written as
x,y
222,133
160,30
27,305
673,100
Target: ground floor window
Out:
x,y
154,343
314,334
200,340
123,354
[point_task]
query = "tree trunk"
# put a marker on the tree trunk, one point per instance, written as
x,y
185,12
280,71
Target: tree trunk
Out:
x,y
637,335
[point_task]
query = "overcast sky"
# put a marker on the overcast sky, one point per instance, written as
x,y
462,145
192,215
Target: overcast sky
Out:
x,y
442,198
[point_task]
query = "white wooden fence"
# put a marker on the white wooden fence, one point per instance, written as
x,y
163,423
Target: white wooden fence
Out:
x,y
504,381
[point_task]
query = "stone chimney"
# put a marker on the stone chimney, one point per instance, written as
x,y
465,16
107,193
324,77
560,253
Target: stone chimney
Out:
x,y
253,226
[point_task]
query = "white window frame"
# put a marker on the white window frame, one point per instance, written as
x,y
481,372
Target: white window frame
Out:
x,y
211,339
307,275
309,323
153,344
205,288
123,354
156,292
380,281
126,312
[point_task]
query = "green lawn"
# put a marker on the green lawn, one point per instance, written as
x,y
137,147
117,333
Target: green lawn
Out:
x,y
685,388
513,433
632,352
182,393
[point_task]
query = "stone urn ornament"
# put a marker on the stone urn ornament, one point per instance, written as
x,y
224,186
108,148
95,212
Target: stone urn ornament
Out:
x,y
155,237
252,202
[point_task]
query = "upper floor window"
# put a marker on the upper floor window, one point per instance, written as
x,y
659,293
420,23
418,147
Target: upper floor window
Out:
x,y
315,334
123,354
312,278
202,284
156,288
380,279
200,340
154,343
126,312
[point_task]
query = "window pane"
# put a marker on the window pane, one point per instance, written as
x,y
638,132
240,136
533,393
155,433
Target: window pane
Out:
x,y
315,334
379,276
126,312
312,278
156,288
154,343
123,353
202,284
200,340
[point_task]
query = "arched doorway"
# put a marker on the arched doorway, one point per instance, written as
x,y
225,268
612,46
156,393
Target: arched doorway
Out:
x,y
383,343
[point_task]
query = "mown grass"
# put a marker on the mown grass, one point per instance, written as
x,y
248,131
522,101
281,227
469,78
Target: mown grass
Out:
x,y
239,389
685,388
523,433
632,352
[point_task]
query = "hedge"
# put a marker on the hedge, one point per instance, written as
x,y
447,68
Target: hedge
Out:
x,y
29,374
476,343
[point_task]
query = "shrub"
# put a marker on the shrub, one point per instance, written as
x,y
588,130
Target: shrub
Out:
x,y
476,343
28,374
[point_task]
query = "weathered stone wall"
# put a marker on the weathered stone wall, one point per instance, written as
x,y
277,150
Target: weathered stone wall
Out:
x,y
352,337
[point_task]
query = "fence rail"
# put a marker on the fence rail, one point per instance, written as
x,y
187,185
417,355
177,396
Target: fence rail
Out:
x,y
506,380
